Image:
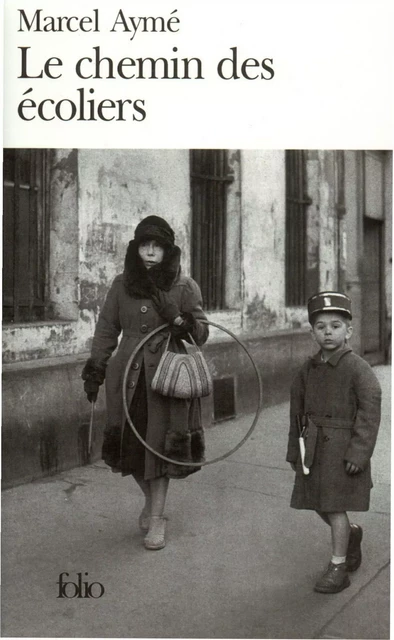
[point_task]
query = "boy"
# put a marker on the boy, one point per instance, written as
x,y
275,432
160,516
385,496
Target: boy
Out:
x,y
335,405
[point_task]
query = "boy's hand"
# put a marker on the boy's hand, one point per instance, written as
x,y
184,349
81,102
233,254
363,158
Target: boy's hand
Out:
x,y
352,468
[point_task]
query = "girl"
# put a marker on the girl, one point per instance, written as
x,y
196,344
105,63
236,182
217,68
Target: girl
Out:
x,y
150,291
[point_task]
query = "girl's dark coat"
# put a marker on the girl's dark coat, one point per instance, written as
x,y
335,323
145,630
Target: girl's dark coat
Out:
x,y
173,425
344,388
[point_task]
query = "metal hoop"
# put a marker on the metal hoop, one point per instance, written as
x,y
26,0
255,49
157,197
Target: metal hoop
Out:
x,y
160,455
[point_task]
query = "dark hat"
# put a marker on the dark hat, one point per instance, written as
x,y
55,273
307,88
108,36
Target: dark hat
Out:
x,y
154,227
329,301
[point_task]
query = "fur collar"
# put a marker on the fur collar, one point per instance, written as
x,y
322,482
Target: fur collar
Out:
x,y
140,282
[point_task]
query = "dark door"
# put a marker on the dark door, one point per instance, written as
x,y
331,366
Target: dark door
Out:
x,y
372,291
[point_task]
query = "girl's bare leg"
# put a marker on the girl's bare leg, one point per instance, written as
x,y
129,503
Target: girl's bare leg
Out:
x,y
158,492
155,538
143,520
146,490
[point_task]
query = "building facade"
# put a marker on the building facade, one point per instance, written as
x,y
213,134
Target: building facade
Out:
x,y
259,230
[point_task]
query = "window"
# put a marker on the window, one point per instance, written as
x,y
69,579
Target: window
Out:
x,y
25,235
297,202
210,178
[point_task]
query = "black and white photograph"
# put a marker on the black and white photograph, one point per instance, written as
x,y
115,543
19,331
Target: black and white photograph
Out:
x,y
197,319
196,393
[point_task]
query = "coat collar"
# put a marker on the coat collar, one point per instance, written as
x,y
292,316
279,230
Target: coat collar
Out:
x,y
333,361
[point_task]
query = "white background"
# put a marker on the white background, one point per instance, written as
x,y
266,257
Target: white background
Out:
x,y
333,84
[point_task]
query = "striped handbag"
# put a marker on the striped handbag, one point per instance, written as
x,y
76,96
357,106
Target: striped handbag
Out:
x,y
182,375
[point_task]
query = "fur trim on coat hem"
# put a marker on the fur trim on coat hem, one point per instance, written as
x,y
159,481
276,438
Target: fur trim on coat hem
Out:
x,y
184,447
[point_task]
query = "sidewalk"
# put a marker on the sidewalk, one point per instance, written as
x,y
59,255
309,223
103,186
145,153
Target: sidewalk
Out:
x,y
239,563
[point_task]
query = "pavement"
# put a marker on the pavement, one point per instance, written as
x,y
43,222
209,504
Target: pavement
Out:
x,y
239,563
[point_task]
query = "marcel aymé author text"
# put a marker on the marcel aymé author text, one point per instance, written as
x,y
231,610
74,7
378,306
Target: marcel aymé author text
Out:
x,y
40,22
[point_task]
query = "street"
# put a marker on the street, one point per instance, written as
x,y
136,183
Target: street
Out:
x,y
239,563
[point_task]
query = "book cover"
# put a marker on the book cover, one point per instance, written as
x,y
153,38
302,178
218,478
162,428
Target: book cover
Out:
x,y
262,134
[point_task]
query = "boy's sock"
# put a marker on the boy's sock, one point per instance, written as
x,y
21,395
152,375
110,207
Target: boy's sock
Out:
x,y
338,559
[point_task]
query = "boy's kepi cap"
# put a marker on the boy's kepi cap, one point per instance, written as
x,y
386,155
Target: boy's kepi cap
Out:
x,y
329,301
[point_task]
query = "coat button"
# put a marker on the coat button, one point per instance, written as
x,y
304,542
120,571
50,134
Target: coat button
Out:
x,y
135,365
131,384
144,328
144,309
326,438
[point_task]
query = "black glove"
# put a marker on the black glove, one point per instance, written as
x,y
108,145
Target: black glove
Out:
x,y
93,374
165,305
91,389
182,330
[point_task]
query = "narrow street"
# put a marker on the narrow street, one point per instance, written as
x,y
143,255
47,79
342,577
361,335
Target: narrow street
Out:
x,y
239,563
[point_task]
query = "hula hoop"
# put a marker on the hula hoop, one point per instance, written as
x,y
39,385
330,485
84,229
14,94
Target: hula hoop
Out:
x,y
160,455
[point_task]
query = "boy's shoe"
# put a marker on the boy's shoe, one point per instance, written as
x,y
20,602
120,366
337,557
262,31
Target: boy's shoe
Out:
x,y
354,556
334,579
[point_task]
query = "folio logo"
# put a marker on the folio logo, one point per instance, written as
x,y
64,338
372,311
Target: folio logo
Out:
x,y
79,589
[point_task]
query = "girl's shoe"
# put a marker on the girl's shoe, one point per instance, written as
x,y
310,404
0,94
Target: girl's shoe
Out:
x,y
143,521
154,539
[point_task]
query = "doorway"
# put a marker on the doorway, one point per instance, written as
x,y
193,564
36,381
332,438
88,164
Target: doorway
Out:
x,y
372,292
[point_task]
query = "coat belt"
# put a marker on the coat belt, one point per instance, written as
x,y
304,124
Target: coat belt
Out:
x,y
333,423
312,423
130,333
153,344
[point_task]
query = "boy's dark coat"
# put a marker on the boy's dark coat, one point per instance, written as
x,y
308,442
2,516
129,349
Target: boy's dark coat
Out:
x,y
343,388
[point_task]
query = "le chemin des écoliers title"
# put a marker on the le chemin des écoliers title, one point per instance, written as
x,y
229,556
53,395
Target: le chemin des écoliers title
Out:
x,y
99,64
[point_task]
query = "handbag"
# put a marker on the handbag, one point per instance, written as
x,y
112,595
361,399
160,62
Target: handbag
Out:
x,y
182,375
